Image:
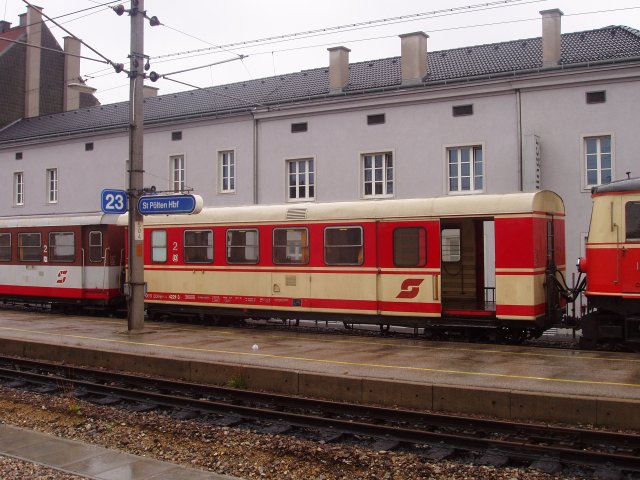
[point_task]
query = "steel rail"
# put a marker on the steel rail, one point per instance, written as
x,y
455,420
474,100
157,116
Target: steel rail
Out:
x,y
515,440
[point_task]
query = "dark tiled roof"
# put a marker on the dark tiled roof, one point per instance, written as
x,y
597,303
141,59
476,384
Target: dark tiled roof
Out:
x,y
469,63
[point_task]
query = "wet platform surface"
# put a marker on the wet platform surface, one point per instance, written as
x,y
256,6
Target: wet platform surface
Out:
x,y
556,371
507,381
91,461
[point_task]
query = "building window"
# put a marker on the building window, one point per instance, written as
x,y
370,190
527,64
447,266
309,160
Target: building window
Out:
x,y
178,174
18,155
227,161
598,160
596,97
299,127
18,188
88,147
290,246
29,247
465,169
5,247
462,110
242,246
198,246
52,185
62,246
301,179
343,246
176,136
409,247
159,246
450,245
376,119
377,170
95,246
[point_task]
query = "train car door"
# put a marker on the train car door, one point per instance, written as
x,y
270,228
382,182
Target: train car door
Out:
x,y
408,278
630,255
290,279
468,266
93,260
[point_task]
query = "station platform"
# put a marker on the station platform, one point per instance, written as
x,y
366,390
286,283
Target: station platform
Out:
x,y
91,461
501,381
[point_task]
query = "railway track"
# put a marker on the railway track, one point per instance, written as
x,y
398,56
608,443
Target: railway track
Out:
x,y
434,436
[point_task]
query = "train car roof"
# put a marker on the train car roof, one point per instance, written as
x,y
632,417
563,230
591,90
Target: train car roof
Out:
x,y
626,185
57,220
450,206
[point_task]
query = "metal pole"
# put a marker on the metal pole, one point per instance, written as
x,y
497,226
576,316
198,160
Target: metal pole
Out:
x,y
136,181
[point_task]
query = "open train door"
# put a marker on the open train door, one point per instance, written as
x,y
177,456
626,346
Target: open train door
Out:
x,y
468,267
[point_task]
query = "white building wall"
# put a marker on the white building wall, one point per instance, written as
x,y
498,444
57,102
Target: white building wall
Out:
x,y
562,118
200,145
416,134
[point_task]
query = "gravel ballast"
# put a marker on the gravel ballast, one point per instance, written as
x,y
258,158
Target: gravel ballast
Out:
x,y
223,450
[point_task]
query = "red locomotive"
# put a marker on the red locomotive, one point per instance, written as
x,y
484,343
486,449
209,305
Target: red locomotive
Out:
x,y
612,265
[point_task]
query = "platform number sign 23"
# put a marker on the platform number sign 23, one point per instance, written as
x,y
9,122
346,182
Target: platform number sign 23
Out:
x,y
113,201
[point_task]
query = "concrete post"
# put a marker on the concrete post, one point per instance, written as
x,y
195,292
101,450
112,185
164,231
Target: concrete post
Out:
x,y
136,170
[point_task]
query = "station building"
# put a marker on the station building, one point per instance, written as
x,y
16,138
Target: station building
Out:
x,y
555,112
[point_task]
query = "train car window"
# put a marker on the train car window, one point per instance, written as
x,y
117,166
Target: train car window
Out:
x,y
450,245
30,247
5,247
198,246
409,247
242,246
290,246
343,246
632,220
159,246
63,246
95,246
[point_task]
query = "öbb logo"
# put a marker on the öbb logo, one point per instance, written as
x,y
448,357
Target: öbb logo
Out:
x,y
62,276
410,288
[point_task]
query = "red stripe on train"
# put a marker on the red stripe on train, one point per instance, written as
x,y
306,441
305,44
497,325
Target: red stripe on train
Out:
x,y
57,292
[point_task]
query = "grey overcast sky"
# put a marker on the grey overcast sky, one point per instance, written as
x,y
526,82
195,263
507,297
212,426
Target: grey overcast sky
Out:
x,y
190,25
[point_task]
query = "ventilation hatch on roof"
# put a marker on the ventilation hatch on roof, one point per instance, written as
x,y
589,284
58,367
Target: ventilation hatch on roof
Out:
x,y
297,214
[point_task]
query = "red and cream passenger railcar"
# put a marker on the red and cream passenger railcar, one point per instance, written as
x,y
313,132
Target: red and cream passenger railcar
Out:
x,y
62,260
416,262
612,265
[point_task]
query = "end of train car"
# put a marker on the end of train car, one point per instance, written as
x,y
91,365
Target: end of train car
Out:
x,y
612,266
62,261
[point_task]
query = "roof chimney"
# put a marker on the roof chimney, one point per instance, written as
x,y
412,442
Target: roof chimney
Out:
x,y
414,57
4,26
23,20
149,91
338,68
32,76
71,95
551,33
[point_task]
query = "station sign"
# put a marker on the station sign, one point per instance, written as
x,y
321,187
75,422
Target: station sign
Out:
x,y
169,204
113,201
